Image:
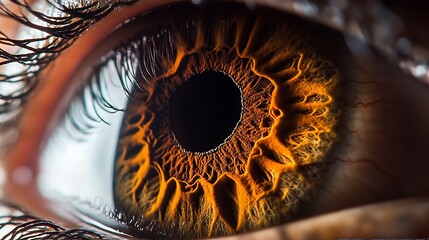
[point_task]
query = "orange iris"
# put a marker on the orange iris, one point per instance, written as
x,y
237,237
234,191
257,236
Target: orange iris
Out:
x,y
267,167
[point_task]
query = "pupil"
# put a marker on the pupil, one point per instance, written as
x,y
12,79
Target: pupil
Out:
x,y
205,110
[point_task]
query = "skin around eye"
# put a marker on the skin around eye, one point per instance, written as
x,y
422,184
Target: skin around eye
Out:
x,y
406,106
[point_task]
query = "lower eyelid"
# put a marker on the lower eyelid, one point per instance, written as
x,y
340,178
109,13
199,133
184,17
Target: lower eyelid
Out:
x,y
405,218
402,218
15,222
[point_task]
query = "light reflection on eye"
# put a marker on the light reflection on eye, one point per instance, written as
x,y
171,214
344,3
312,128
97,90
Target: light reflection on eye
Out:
x,y
391,92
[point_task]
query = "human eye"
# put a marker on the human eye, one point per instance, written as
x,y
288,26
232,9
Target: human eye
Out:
x,y
328,129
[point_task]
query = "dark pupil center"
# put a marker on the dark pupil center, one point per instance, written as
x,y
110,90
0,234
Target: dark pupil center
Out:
x,y
205,110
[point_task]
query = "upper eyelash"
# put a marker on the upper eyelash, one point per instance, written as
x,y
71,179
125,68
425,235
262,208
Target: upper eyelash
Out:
x,y
92,99
58,33
121,64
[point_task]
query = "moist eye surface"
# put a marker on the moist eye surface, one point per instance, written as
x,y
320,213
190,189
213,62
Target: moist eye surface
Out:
x,y
230,123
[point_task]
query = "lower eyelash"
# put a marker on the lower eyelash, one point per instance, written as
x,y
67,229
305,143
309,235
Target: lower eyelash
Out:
x,y
122,224
17,224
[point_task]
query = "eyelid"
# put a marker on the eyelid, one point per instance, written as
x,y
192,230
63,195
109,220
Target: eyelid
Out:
x,y
399,218
370,22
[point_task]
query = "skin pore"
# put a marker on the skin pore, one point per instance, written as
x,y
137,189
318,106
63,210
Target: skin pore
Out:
x,y
389,168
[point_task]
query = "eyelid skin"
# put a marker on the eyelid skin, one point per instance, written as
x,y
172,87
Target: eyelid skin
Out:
x,y
9,26
396,219
412,14
56,81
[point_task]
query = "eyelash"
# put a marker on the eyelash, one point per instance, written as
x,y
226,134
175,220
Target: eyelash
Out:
x,y
94,93
59,31
15,223
123,62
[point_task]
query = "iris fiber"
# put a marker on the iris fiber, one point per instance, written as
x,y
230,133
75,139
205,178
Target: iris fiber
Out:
x,y
270,164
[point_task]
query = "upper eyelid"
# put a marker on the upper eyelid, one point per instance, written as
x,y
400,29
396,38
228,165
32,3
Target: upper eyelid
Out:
x,y
372,23
56,32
